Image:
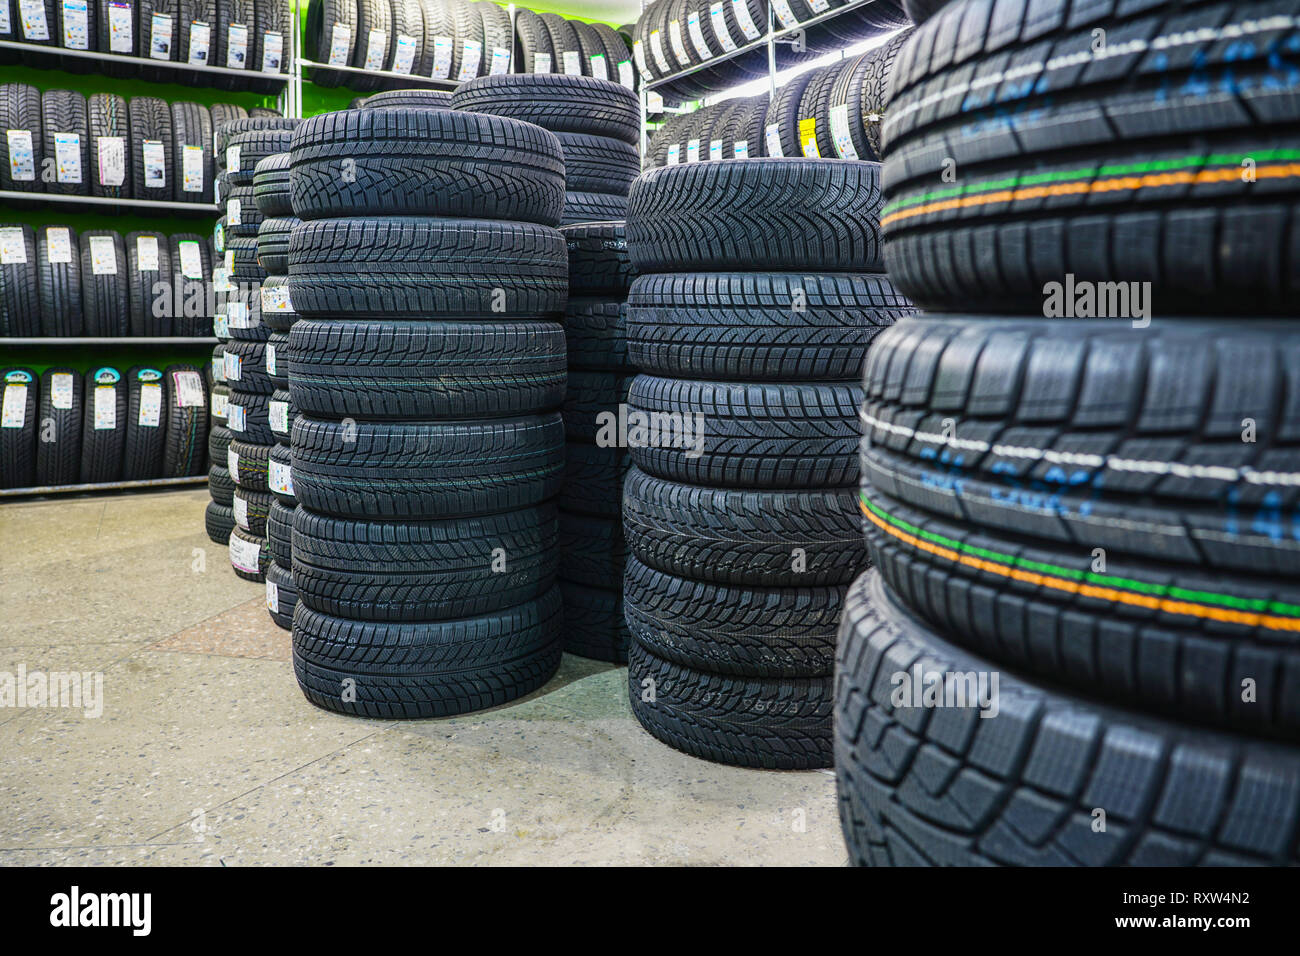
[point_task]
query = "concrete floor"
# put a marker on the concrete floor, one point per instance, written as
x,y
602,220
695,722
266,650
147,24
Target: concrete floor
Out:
x,y
206,752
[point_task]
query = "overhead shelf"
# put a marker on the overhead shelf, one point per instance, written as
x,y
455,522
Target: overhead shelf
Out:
x,y
104,486
34,52
431,81
127,205
70,340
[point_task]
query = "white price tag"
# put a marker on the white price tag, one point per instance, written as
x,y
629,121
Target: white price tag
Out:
x,y
275,298
541,63
783,13
840,133
269,359
232,464
376,47
741,9
278,413
232,159
340,40
272,51
657,49
819,6
638,54
442,50
32,14
219,403
105,407
61,389
14,413
742,149
150,405
715,149
146,253
572,60
773,134
678,46
103,256
110,154
13,250
808,137
160,36
674,154
75,35
121,27
67,157
272,597
245,555
625,74
189,388
404,54
220,325
6,27
279,475
470,55
237,315
500,61
599,69
234,209
697,36
58,244
22,158
237,46
192,169
240,508
693,151
718,17
236,417
200,40
232,367
155,164
191,259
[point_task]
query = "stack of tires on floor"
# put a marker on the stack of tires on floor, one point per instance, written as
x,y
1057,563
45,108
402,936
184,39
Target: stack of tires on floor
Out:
x,y
251,384
597,122
1079,643
427,366
740,511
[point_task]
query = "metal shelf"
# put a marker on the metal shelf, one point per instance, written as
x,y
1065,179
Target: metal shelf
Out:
x,y
385,74
58,52
59,341
14,195
104,486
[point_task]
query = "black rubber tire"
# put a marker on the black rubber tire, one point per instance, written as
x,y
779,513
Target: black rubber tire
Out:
x,y
248,463
427,669
191,12
592,551
279,533
415,267
593,480
559,103
921,10
1086,438
219,521
421,162
250,509
144,13
187,425
255,145
408,21
64,111
279,474
230,128
580,207
734,629
765,213
248,418
616,52
19,446
772,723
242,219
598,260
321,17
229,13
407,100
107,115
281,414
60,286
591,397
58,448
252,553
532,38
425,370
191,126
761,538
105,297
564,39
868,97
273,244
496,38
596,333
190,288
271,190
758,327
281,595
424,571
1020,787
427,469
219,445
142,452
439,24
220,486
469,28
783,114
779,435
245,368
20,109
21,296
1109,170
814,108
272,16
150,122
598,163
102,448
593,623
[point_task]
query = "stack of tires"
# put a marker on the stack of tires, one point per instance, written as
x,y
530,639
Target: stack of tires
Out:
x,y
597,122
740,511
1080,468
427,367
251,411
274,204
591,532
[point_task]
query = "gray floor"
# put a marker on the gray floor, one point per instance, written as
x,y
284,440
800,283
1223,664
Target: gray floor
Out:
x,y
206,753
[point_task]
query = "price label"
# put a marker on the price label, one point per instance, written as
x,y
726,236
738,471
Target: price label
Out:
x,y
13,248
598,68
279,475
625,74
237,315
808,137
219,403
32,15
741,9
155,164
237,46
278,413
442,50
741,149
840,132
232,158
189,388
160,36
272,597
22,157
200,40
541,63
234,209
471,53
715,149
773,135
783,13
240,508
404,54
236,417
340,40
674,154
275,298
718,17
697,36
110,155
150,405
75,34
245,554
192,169
376,47
58,244
232,464
693,151
146,253
191,259
233,366
14,412
272,51
500,61
269,357
657,50
103,256
121,28
105,407
678,46
67,157
61,390
572,61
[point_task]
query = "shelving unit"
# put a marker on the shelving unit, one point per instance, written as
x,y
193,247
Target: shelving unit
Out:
x,y
104,486
37,52
127,204
74,340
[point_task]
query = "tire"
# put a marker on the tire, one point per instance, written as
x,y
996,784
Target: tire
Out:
x,y
593,481
146,424
58,460
921,10
248,418
746,133
107,116
532,40
424,571
191,127
598,163
469,30
868,97
60,285
105,284
221,487
472,467
592,551
187,423
104,426
63,112
564,40
598,260
407,100
191,12
372,15
1195,587
144,14
219,521
279,534
420,162
590,396
245,368
250,509
21,289
321,17
559,103
249,558
498,42
781,124
428,669
416,267
20,109
590,43
271,190
272,16
151,123
758,327
19,446
229,129
1157,192
425,370
231,13
191,264
281,595
245,150
741,435
596,334
440,46
772,723
593,623
281,414
219,445
814,114
248,464
580,207
273,244
766,213
1022,807
279,474
785,539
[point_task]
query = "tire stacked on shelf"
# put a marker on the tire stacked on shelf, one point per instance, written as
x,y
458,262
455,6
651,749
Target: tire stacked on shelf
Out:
x,y
591,532
1089,498
427,367
219,516
596,121
739,513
